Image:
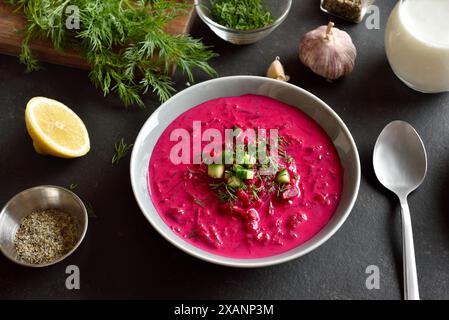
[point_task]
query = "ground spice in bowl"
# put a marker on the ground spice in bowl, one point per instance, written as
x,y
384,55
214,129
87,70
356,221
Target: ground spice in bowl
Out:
x,y
351,10
45,235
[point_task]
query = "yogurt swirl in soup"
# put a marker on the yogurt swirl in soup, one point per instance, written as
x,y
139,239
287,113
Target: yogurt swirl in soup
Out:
x,y
243,207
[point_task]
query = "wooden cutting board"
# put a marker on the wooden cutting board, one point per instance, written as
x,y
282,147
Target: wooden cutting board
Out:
x,y
11,38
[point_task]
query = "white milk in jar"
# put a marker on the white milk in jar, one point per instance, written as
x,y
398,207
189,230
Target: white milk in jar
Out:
x,y
417,44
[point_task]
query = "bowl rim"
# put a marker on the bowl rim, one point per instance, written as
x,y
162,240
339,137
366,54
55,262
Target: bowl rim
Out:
x,y
272,25
81,238
254,262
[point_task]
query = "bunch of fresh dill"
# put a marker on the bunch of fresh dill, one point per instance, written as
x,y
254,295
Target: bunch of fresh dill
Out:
x,y
123,41
241,14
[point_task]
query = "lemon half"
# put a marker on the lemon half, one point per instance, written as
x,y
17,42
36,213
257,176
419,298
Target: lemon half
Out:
x,y
55,129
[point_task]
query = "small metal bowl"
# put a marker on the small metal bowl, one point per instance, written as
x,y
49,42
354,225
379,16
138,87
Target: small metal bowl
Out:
x,y
278,8
41,197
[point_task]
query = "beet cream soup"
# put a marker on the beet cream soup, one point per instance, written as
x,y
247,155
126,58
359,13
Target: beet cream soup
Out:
x,y
234,208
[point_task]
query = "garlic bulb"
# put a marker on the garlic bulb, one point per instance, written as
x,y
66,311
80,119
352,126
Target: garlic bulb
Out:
x,y
328,51
276,70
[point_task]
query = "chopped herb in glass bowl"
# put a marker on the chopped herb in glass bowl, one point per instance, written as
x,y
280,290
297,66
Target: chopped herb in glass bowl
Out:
x,y
242,21
241,14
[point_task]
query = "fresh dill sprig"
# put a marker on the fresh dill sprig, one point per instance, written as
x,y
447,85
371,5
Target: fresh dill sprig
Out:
x,y
123,41
199,202
227,194
281,188
121,150
192,234
73,186
255,195
224,192
90,210
255,191
215,186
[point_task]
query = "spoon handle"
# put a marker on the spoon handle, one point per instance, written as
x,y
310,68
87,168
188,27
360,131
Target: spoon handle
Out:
x,y
411,291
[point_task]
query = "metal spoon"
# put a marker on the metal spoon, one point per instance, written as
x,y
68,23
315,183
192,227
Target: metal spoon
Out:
x,y
400,163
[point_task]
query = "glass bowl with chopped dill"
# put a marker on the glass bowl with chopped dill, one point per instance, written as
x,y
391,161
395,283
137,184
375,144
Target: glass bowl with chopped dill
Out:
x,y
243,21
41,226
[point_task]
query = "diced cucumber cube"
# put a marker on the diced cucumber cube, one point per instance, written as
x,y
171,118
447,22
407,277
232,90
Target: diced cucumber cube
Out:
x,y
234,182
283,176
244,174
249,160
215,171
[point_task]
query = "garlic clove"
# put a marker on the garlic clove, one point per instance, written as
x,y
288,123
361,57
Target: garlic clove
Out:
x,y
276,71
328,51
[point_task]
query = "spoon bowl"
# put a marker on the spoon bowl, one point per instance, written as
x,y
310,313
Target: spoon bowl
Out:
x,y
399,159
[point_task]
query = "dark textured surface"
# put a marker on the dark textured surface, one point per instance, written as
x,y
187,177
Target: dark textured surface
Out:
x,y
123,257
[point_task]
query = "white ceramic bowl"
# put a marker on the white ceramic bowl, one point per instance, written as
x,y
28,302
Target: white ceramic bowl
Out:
x,y
235,86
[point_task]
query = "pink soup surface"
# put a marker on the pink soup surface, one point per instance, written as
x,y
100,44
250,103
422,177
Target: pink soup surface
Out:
x,y
185,201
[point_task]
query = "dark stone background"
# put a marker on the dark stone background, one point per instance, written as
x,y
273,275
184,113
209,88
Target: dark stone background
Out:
x,y
123,257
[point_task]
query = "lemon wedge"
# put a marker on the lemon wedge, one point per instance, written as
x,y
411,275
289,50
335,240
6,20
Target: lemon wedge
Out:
x,y
55,129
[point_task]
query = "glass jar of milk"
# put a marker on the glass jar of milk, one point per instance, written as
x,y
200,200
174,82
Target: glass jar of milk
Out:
x,y
417,44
